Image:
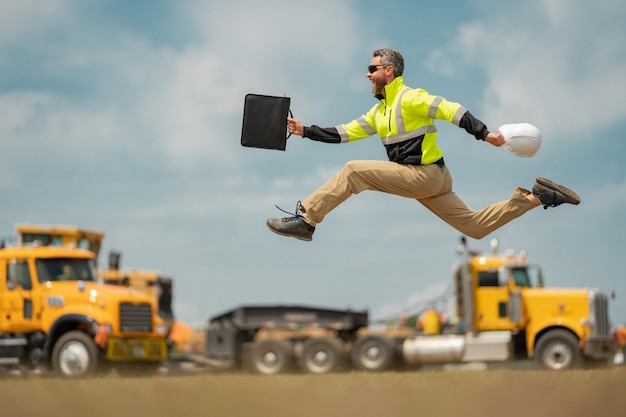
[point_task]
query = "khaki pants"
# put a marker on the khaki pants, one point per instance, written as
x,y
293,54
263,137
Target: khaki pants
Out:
x,y
431,185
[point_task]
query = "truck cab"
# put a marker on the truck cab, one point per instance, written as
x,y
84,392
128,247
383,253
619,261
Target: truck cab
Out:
x,y
55,314
559,327
155,284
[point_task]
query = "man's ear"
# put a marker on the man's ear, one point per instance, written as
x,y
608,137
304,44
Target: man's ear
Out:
x,y
390,73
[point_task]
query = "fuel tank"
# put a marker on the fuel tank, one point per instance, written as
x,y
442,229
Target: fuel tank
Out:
x,y
433,349
484,346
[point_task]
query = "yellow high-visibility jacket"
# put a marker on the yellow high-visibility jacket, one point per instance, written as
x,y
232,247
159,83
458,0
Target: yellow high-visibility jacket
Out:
x,y
405,121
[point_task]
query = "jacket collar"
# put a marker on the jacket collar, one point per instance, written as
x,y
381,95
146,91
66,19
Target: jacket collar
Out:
x,y
392,89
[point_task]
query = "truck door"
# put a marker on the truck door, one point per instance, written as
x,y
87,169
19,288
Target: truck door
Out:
x,y
16,306
492,301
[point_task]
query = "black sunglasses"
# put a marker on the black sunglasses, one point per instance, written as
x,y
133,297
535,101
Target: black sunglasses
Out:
x,y
373,68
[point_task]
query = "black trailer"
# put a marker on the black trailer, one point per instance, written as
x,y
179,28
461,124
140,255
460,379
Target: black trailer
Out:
x,y
274,339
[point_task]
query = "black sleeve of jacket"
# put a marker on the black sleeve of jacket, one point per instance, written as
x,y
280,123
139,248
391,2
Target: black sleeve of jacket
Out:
x,y
473,126
322,134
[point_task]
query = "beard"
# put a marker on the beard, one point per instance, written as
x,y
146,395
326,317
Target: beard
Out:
x,y
378,87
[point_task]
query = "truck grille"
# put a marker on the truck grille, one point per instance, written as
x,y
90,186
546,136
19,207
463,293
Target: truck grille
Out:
x,y
599,307
135,318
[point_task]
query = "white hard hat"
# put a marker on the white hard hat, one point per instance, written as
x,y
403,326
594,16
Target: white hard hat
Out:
x,y
521,139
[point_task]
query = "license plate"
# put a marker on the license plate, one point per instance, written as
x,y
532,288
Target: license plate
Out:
x,y
128,349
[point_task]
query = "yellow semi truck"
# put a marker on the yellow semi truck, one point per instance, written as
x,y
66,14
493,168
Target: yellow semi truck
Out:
x,y
155,284
503,313
55,315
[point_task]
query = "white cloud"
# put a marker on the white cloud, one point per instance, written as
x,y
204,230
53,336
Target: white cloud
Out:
x,y
40,16
182,105
542,67
251,47
36,126
18,110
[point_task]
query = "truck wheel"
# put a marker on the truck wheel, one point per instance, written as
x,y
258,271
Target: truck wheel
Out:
x,y
270,356
557,350
321,356
373,353
75,355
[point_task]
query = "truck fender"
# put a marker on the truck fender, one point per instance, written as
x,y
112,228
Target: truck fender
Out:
x,y
557,349
66,323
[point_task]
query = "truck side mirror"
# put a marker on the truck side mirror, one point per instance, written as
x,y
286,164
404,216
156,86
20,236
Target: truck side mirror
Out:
x,y
114,260
540,282
12,282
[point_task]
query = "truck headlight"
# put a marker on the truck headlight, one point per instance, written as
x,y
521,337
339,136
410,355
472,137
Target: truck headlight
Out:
x,y
161,328
105,328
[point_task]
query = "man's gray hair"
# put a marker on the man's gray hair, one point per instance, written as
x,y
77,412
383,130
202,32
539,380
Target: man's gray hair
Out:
x,y
392,58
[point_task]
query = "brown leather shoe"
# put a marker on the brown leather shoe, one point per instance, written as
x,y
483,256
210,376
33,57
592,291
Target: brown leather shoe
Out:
x,y
551,194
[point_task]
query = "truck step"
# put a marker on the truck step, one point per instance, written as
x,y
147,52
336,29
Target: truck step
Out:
x,y
13,341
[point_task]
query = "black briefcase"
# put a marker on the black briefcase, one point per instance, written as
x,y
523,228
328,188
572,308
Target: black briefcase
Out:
x,y
265,122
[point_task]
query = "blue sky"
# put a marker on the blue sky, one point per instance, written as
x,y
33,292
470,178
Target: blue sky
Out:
x,y
125,117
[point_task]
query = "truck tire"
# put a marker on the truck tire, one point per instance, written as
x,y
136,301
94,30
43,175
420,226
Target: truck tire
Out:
x,y
324,355
75,355
557,350
373,353
269,357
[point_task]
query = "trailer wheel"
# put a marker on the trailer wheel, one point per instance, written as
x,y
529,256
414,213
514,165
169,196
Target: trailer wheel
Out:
x,y
269,357
320,356
75,355
557,350
373,353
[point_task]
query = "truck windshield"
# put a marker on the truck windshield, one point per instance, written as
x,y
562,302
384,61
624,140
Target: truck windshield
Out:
x,y
65,269
521,277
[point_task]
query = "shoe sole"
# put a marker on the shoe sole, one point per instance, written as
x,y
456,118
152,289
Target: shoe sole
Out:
x,y
568,195
305,238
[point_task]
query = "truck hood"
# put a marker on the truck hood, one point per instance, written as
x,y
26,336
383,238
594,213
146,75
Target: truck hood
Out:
x,y
87,291
557,302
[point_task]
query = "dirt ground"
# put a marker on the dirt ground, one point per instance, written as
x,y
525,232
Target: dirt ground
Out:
x,y
507,393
